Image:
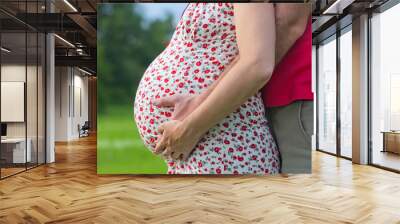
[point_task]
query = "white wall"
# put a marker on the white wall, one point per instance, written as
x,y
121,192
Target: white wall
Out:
x,y
13,101
80,89
17,73
62,82
14,73
71,87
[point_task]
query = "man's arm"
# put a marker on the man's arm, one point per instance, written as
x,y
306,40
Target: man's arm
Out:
x,y
291,21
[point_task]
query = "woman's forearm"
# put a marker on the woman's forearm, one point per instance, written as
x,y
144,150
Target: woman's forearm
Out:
x,y
255,33
240,83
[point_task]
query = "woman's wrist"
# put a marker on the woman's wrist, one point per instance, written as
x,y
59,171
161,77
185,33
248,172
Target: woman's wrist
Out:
x,y
192,128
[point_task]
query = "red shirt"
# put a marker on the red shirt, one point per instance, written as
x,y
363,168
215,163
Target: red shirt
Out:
x,y
291,79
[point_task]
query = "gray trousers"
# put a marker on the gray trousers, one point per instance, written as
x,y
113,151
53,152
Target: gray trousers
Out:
x,y
292,127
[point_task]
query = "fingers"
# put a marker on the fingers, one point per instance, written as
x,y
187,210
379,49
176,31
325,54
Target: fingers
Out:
x,y
161,128
185,156
176,155
162,140
167,154
165,157
168,101
161,145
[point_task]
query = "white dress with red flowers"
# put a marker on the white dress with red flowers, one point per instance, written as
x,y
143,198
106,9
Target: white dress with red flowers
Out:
x,y
202,46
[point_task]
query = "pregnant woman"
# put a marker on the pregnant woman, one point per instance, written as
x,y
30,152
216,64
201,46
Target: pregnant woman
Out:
x,y
230,137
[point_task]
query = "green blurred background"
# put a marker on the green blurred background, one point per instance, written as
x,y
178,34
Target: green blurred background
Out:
x,y
130,36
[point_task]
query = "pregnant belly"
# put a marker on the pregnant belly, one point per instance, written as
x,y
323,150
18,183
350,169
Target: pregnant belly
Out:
x,y
168,75
166,79
147,116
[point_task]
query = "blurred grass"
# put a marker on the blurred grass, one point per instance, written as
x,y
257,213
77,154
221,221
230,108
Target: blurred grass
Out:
x,y
120,149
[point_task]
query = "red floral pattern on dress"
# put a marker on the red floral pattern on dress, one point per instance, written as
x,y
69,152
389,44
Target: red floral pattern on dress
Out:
x,y
203,44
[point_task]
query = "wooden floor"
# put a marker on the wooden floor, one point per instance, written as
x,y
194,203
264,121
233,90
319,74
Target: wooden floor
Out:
x,y
5,172
9,171
69,191
387,159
